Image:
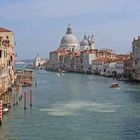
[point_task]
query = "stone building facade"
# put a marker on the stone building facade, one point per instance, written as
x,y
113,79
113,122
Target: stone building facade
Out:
x,y
6,60
83,56
136,59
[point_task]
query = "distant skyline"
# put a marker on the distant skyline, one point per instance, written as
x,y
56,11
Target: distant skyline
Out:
x,y
39,25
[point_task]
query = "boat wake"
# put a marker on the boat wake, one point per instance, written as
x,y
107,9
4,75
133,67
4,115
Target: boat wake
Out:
x,y
73,107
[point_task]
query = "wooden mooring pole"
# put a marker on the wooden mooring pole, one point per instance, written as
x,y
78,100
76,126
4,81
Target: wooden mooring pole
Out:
x,y
25,101
14,99
20,91
30,97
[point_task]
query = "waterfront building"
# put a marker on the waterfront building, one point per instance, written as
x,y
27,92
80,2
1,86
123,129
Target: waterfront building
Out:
x,y
102,56
109,69
128,69
6,60
77,62
62,57
70,56
87,58
98,65
56,59
74,60
68,62
136,58
110,66
119,69
39,62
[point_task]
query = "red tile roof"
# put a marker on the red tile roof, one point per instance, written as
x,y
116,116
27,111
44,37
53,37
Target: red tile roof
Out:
x,y
4,30
103,59
58,52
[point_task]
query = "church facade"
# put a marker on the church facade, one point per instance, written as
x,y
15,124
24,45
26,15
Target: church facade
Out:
x,y
68,56
77,56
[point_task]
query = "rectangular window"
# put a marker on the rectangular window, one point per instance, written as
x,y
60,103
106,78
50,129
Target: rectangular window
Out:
x,y
4,54
0,53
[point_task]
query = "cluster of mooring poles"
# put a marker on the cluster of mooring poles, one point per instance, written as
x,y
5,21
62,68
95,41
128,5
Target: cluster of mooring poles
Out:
x,y
24,78
25,107
17,95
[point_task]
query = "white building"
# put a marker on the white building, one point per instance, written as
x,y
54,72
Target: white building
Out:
x,y
119,67
39,61
98,65
108,68
87,58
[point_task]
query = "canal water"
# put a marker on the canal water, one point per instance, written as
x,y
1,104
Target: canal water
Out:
x,y
75,107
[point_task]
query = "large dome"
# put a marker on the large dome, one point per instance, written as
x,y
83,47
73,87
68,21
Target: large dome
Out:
x,y
69,40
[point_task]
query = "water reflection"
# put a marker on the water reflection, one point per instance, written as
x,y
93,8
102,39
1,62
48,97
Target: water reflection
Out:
x,y
131,129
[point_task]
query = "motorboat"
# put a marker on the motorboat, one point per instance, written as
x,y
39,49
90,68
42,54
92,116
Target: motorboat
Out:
x,y
5,110
59,74
114,85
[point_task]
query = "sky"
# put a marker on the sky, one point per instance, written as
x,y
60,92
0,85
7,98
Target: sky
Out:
x,y
39,25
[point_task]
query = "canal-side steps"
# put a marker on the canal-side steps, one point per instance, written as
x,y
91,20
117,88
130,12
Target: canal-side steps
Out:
x,y
24,77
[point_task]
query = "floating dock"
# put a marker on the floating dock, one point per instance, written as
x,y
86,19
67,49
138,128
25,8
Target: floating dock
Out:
x,y
24,78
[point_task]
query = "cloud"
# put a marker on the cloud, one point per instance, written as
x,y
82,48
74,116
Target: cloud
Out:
x,y
113,22
30,9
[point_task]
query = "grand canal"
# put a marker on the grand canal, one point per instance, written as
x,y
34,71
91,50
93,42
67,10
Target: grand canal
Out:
x,y
75,107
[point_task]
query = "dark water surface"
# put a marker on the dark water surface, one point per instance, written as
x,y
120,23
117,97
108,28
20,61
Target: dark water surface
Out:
x,y
75,107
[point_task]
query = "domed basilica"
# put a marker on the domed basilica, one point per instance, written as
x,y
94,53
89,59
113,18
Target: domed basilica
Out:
x,y
69,42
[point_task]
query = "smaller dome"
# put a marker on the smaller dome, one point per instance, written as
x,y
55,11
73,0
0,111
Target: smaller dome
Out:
x,y
84,42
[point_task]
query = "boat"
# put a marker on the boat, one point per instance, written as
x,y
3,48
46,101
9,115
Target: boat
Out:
x,y
19,62
14,88
114,85
5,110
59,74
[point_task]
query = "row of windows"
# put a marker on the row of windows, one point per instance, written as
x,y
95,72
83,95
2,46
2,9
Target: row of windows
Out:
x,y
118,67
4,53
